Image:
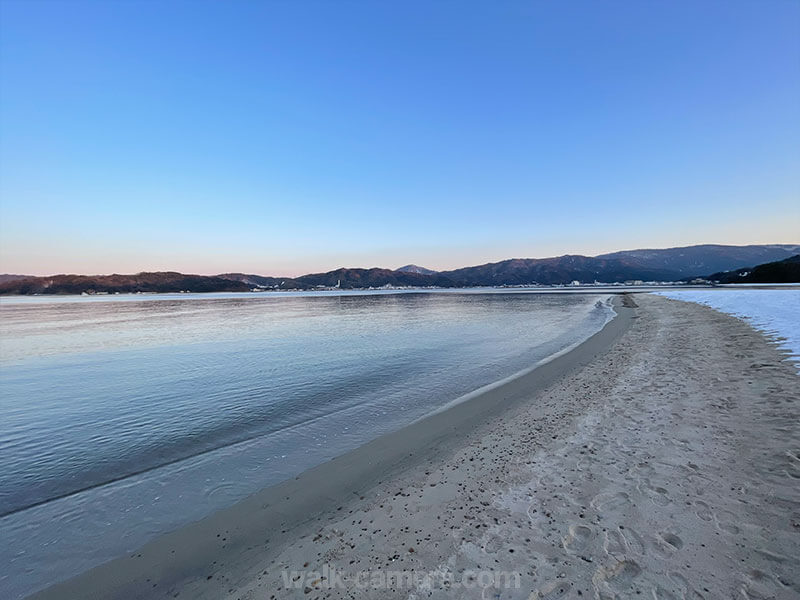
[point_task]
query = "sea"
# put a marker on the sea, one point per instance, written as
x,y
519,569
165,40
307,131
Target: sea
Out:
x,y
125,417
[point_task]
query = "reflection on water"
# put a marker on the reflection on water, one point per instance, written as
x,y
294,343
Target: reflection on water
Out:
x,y
122,420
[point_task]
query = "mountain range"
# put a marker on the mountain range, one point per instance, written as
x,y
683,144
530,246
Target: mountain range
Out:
x,y
166,281
670,264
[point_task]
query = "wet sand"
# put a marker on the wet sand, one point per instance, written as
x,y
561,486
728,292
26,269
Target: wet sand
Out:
x,y
660,459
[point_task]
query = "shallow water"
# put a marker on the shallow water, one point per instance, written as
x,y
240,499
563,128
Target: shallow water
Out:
x,y
123,418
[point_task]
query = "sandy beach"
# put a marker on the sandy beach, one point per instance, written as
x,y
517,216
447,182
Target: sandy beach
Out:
x,y
660,459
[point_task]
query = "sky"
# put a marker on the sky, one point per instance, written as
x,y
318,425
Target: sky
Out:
x,y
283,138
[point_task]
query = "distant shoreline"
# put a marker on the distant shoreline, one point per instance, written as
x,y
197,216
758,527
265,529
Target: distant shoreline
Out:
x,y
561,289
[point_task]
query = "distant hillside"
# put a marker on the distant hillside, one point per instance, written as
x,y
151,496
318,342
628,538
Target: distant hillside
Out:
x,y
696,261
6,277
415,269
140,282
558,270
260,280
782,271
361,278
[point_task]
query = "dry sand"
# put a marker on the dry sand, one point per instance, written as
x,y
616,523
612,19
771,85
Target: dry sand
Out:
x,y
666,467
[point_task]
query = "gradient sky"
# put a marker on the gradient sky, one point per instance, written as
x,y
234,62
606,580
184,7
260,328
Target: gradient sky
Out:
x,y
289,137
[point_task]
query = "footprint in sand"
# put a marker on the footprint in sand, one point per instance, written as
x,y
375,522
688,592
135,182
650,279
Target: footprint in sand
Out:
x,y
643,470
578,540
659,593
659,499
493,543
633,540
610,501
615,579
703,512
687,590
614,544
725,522
623,543
666,544
586,463
657,494
728,528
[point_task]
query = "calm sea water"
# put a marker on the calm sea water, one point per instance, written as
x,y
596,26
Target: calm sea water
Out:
x,y
126,417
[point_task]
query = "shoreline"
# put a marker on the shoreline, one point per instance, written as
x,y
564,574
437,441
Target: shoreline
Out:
x,y
511,289
180,559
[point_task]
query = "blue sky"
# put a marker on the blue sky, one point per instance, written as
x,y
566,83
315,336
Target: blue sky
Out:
x,y
289,137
